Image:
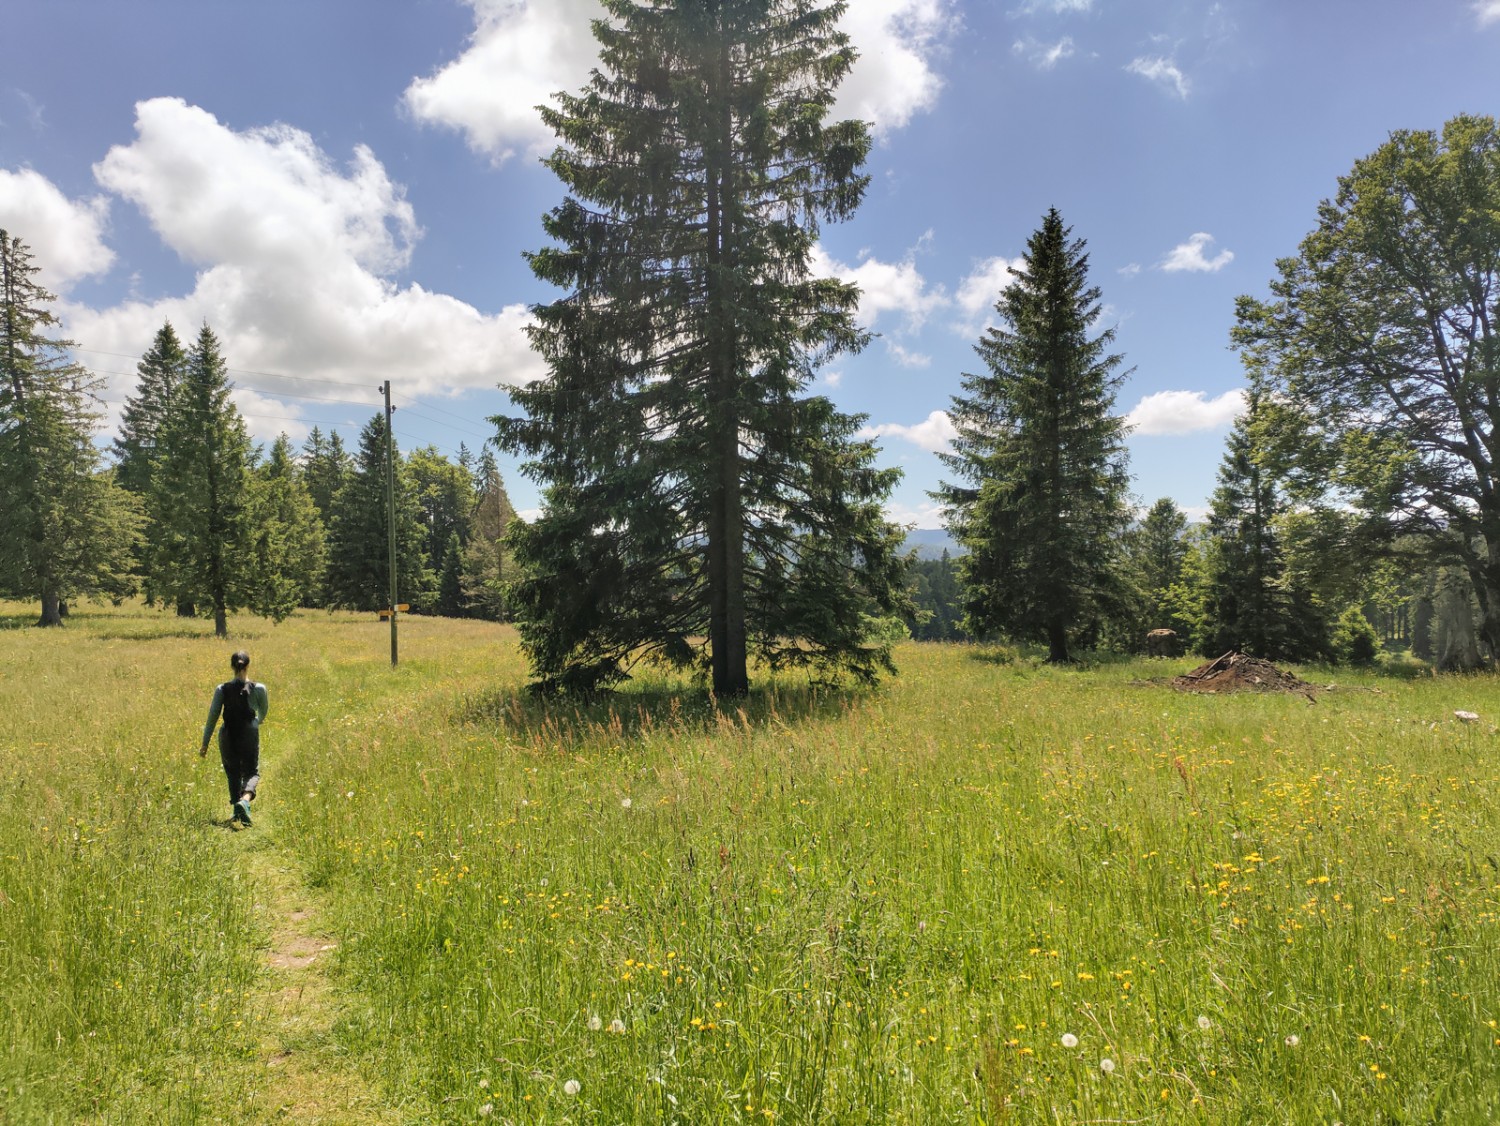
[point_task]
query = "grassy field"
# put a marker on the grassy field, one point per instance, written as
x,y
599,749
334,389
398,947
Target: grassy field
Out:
x,y
987,892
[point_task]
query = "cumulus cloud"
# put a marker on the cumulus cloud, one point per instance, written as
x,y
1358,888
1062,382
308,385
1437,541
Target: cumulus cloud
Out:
x,y
1190,256
295,258
933,433
1043,56
66,237
1488,12
886,288
921,516
1184,412
1161,71
522,52
978,292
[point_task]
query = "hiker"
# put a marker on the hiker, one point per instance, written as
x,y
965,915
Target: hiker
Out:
x,y
244,705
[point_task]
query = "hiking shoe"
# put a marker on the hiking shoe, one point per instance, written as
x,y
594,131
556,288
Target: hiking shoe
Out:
x,y
242,812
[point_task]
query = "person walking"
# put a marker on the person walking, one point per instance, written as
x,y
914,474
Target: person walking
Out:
x,y
243,704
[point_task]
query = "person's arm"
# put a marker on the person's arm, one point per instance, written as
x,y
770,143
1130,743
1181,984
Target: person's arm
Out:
x,y
261,702
213,717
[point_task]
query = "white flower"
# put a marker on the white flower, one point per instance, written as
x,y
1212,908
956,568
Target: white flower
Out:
x,y
617,1025
350,794
624,803
1204,1023
595,1024
572,1087
486,1110
1107,1065
1293,1040
1068,1040
484,1082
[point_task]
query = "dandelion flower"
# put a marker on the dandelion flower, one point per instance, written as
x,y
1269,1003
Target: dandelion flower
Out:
x,y
1107,1065
1068,1040
1293,1040
572,1087
617,1025
595,1024
624,803
1204,1023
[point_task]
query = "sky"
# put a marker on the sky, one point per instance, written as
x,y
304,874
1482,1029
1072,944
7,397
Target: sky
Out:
x,y
344,191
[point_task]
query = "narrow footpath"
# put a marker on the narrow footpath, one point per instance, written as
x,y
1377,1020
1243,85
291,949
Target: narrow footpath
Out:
x,y
304,1079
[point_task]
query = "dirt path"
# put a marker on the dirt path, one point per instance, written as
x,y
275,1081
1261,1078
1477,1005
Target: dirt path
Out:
x,y
303,1077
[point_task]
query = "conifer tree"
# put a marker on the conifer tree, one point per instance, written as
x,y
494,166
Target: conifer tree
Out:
x,y
198,508
486,558
66,528
1155,553
325,468
1248,602
700,507
287,536
445,497
358,546
1040,496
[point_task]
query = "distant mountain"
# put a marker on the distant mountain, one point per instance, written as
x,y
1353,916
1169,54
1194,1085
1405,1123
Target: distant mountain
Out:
x,y
930,543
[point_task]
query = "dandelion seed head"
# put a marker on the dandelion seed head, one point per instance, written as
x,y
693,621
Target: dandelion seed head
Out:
x,y
572,1087
624,803
1068,1040
617,1025
595,1024
486,1110
1293,1040
1107,1065
1204,1023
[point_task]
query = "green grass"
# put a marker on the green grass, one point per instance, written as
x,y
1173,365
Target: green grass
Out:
x,y
809,908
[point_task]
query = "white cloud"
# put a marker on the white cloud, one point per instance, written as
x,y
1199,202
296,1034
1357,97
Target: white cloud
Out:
x,y
1488,12
295,259
934,433
1058,6
885,288
923,516
1190,256
1129,271
522,52
978,293
1043,56
1184,412
66,237
1163,71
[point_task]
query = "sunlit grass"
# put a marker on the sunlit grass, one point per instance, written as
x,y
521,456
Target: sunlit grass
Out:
x,y
865,907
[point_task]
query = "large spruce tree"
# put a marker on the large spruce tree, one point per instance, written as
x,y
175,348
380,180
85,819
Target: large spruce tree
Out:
x,y
700,508
66,528
199,517
137,448
1040,496
286,535
359,566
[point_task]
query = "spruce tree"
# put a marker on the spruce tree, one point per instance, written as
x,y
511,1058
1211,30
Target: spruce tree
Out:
x,y
287,536
1155,553
325,468
358,545
487,558
700,507
199,522
66,528
1040,495
444,494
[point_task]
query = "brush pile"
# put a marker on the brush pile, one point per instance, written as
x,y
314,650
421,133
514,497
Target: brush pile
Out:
x,y
1237,672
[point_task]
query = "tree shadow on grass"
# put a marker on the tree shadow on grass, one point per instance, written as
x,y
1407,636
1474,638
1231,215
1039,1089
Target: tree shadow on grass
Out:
x,y
639,711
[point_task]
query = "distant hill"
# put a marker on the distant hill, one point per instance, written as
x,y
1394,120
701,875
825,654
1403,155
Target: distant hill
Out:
x,y
930,543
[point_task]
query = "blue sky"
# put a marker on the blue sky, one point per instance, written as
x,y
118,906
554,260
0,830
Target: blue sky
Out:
x,y
344,189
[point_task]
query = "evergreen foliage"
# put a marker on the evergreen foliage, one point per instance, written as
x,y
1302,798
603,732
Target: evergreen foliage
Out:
x,y
1248,603
693,490
937,600
487,560
199,544
287,537
358,543
66,528
445,498
325,468
1040,462
1354,640
1158,550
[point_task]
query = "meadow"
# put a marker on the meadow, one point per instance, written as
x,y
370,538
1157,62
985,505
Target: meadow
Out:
x,y
989,891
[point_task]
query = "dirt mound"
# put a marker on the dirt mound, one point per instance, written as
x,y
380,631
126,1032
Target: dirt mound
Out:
x,y
1236,672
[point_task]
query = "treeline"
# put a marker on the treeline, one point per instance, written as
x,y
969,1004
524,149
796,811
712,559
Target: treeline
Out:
x,y
196,517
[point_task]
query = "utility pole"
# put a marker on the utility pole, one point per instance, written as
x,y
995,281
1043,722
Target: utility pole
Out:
x,y
390,508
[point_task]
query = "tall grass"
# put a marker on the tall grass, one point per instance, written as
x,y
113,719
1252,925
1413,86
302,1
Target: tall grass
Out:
x,y
949,900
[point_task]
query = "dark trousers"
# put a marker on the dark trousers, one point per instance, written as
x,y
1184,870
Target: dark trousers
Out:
x,y
240,753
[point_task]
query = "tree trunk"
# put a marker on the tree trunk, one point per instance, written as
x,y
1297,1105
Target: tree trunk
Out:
x,y
1057,642
51,615
221,619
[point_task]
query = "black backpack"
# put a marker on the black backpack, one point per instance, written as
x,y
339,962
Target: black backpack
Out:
x,y
238,711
